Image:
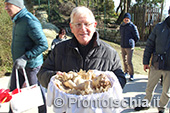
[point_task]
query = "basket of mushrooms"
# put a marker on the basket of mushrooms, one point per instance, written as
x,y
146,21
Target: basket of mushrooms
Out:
x,y
89,91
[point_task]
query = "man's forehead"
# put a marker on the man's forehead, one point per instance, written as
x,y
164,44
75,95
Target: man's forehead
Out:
x,y
83,16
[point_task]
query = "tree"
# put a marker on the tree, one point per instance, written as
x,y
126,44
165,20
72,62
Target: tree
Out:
x,y
29,5
119,7
162,8
125,4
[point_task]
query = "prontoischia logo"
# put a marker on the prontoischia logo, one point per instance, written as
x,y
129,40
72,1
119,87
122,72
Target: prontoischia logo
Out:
x,y
105,103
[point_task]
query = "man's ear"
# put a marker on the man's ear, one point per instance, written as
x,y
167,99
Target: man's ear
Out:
x,y
71,27
95,24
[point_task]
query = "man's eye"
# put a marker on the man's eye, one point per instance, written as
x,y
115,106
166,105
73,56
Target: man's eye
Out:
x,y
86,24
79,24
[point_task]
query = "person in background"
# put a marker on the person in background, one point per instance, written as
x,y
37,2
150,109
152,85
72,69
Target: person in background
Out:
x,y
129,36
84,51
158,46
60,37
28,43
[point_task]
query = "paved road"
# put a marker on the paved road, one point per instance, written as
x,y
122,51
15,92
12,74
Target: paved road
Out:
x,y
136,90
133,90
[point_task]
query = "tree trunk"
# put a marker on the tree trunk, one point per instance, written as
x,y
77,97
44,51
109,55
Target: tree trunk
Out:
x,y
162,8
88,3
120,6
143,21
120,18
125,6
128,5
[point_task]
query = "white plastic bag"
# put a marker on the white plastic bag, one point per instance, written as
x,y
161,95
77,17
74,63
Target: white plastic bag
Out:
x,y
28,98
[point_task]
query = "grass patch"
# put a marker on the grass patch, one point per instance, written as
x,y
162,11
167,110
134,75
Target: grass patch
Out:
x,y
5,41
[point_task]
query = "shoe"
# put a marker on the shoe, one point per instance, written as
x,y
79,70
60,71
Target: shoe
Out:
x,y
161,81
131,78
161,112
141,108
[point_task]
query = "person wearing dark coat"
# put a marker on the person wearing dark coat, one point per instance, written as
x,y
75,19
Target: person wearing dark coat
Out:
x,y
84,51
129,36
158,46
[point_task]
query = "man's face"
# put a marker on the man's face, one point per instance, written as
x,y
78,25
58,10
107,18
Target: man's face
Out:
x,y
126,20
11,9
83,28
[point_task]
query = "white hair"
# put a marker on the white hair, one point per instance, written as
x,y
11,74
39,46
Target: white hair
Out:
x,y
81,10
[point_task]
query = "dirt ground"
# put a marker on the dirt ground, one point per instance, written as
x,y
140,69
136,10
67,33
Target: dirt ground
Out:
x,y
137,58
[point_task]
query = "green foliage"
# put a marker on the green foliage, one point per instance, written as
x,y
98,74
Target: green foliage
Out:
x,y
5,40
54,11
65,8
43,7
60,13
149,2
107,20
36,2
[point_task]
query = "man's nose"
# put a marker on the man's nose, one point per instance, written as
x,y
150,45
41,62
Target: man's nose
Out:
x,y
83,26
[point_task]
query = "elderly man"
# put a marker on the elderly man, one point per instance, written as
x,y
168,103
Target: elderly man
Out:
x,y
28,43
84,51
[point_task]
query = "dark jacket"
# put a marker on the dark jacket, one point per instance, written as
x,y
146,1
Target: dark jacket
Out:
x,y
129,35
28,38
66,57
158,40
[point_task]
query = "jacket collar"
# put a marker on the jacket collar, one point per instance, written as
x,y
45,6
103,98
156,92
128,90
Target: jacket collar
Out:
x,y
74,43
19,15
167,21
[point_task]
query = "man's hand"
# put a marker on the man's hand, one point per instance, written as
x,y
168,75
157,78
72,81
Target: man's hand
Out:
x,y
146,67
20,62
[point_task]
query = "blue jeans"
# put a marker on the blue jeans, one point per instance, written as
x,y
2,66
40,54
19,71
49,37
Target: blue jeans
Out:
x,y
32,78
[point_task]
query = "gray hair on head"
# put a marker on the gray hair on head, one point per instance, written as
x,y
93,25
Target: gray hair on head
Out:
x,y
81,10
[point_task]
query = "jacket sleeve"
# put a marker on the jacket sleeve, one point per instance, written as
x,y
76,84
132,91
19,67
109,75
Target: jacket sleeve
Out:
x,y
47,70
117,69
36,33
135,33
150,47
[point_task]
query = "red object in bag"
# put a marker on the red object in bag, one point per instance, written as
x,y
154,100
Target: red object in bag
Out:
x,y
5,96
15,91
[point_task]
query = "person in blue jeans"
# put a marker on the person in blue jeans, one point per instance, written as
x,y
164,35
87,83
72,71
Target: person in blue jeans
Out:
x,y
28,43
129,36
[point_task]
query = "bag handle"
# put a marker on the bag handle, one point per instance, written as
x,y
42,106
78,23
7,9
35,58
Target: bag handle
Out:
x,y
25,76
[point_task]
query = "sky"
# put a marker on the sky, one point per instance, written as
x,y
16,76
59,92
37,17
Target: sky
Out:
x,y
166,6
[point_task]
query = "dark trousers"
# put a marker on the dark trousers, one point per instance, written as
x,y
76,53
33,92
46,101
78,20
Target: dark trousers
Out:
x,y
32,78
